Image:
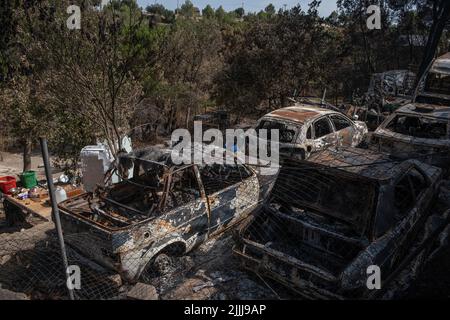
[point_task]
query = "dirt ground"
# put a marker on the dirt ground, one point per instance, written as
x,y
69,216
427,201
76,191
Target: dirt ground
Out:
x,y
209,273
12,163
212,273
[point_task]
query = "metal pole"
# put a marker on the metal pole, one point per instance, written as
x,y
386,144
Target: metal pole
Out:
x,y
55,211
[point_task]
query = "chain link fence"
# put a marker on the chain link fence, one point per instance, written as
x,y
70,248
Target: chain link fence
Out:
x,y
222,232
136,250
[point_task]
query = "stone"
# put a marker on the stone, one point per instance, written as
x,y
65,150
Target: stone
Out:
x,y
11,295
142,291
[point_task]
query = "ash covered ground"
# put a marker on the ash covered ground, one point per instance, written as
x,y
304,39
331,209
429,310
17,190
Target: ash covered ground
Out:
x,y
209,273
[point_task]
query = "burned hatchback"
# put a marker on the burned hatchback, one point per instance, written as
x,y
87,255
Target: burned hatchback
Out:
x,y
334,216
421,129
162,211
305,129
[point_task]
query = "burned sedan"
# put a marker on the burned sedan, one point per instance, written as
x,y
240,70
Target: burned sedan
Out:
x,y
333,217
304,129
418,131
165,210
421,129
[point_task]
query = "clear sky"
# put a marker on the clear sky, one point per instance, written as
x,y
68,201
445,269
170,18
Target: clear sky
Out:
x,y
326,7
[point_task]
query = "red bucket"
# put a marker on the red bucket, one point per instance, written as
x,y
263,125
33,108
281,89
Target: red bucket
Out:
x,y
7,183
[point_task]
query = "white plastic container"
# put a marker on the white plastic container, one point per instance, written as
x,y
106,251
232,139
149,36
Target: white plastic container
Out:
x,y
60,195
95,162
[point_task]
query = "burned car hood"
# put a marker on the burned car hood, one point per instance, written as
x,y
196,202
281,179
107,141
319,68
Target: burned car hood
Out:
x,y
343,198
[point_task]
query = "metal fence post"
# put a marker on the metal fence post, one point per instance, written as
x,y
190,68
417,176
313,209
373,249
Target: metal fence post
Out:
x,y
55,211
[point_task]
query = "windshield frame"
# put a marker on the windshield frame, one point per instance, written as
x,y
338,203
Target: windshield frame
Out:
x,y
297,128
394,116
361,224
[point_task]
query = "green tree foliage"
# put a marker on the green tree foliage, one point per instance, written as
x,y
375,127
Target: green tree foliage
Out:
x,y
220,13
270,9
276,59
121,70
23,96
90,76
189,59
208,12
240,12
8,26
167,15
187,9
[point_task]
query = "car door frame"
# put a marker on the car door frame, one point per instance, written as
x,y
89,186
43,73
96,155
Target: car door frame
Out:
x,y
174,212
313,143
213,199
406,229
339,133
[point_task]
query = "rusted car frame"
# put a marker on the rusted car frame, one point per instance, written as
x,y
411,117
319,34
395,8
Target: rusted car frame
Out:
x,y
123,229
345,211
305,129
417,131
421,128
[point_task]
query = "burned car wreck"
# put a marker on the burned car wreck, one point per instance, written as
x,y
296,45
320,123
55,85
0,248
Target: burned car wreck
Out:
x,y
338,213
386,93
421,129
165,210
305,129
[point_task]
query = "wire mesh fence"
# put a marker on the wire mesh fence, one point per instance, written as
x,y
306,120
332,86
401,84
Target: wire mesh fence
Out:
x,y
127,244
225,232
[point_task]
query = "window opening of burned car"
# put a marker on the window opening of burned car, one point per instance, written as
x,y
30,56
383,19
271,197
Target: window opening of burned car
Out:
x,y
349,200
309,133
286,132
184,188
144,190
322,128
408,191
217,177
310,206
435,89
340,122
129,201
438,83
419,126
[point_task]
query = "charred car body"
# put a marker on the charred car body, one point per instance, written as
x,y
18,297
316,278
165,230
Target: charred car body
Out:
x,y
164,210
305,129
334,216
386,93
421,129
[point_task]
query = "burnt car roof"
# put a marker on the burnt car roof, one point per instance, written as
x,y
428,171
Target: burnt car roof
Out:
x,y
365,163
442,64
299,113
160,155
156,154
423,109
